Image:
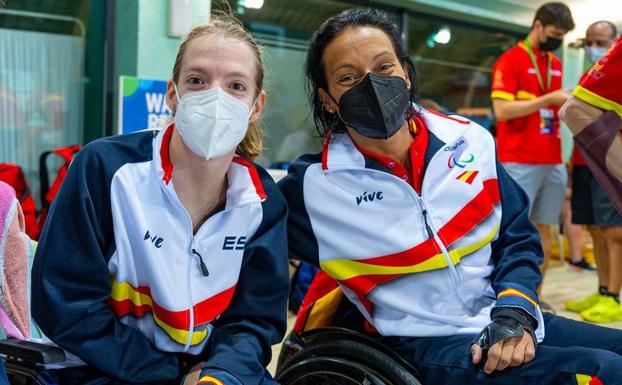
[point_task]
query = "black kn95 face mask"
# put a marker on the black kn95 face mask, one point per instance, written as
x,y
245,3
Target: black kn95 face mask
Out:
x,y
376,106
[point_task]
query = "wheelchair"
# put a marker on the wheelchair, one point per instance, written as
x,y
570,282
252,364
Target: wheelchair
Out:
x,y
328,353
339,356
324,356
325,347
25,362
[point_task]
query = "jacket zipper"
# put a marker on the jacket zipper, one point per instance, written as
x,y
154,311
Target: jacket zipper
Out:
x,y
192,251
429,226
190,301
432,233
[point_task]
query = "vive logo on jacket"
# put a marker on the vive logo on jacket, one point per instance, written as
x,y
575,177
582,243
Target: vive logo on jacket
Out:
x,y
369,197
157,241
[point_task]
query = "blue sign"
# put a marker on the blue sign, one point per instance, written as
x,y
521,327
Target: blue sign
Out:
x,y
142,104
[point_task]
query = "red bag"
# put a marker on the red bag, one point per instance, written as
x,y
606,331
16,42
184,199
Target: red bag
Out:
x,y
12,175
48,193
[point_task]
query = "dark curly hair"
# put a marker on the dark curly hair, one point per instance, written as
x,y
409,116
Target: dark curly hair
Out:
x,y
557,14
327,32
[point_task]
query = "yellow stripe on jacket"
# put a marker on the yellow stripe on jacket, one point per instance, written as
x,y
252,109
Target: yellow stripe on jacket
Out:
x,y
343,269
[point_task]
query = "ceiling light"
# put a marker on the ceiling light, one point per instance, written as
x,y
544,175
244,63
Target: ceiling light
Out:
x,y
443,36
255,4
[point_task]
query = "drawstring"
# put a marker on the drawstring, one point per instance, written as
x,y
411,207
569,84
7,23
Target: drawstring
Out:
x,y
428,229
204,270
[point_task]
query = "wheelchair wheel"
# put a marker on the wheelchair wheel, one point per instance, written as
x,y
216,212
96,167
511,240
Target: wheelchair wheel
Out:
x,y
23,374
328,371
371,363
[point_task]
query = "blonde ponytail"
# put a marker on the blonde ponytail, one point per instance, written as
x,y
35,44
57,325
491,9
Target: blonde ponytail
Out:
x,y
252,144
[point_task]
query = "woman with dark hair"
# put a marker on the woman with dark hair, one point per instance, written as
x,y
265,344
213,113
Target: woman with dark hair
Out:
x,y
427,235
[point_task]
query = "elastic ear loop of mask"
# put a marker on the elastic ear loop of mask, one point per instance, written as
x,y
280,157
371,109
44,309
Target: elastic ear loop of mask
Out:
x,y
172,112
176,93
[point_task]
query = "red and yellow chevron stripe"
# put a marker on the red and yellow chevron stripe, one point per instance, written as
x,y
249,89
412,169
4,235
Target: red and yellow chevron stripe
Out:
x,y
126,299
362,276
468,176
584,379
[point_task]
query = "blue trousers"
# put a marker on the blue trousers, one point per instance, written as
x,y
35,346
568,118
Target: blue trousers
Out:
x,y
84,375
3,379
572,353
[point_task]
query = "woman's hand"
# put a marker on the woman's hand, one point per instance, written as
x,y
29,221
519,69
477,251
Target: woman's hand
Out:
x,y
512,351
509,339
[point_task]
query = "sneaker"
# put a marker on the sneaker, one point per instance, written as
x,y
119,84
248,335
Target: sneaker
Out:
x,y
606,310
583,304
582,265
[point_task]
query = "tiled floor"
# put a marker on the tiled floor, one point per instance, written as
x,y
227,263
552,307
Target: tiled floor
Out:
x,y
561,284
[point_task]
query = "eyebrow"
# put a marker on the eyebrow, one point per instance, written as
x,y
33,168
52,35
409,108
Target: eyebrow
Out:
x,y
195,69
239,75
231,75
374,58
382,54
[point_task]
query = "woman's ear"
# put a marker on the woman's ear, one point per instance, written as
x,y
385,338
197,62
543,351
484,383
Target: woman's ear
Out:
x,y
171,96
406,74
328,102
258,107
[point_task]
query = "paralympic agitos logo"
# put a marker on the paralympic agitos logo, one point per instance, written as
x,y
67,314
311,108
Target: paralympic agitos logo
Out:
x,y
462,163
457,160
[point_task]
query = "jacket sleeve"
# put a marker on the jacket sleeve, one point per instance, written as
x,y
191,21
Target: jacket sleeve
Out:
x,y
505,78
71,281
301,239
256,318
517,253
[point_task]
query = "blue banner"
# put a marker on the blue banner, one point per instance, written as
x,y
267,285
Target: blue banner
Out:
x,y
142,104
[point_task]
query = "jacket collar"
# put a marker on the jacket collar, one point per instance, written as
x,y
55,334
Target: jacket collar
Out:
x,y
339,151
245,185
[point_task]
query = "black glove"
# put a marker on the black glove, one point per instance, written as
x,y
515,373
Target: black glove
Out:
x,y
507,322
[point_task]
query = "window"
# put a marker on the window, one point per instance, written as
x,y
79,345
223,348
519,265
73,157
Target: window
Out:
x,y
283,28
454,60
41,81
455,63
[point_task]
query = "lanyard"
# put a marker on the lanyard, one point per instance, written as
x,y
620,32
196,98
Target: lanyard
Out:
x,y
537,68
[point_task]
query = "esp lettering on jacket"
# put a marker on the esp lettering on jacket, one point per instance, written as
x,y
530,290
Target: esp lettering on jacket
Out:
x,y
234,243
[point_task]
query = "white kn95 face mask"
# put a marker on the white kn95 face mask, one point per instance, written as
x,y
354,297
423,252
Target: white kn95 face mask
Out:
x,y
211,122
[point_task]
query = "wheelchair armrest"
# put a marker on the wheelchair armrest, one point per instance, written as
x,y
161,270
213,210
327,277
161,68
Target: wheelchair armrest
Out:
x,y
31,351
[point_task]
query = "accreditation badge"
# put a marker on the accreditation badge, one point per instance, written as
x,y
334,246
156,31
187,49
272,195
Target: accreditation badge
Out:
x,y
546,121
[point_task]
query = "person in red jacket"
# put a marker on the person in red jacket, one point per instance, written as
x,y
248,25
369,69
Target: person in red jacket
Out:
x,y
592,207
593,115
526,95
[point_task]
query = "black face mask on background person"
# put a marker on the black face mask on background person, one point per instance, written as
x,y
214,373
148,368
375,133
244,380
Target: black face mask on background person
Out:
x,y
376,106
551,44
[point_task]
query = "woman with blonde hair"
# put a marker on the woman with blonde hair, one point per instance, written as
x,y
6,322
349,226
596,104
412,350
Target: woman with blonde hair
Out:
x,y
167,250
